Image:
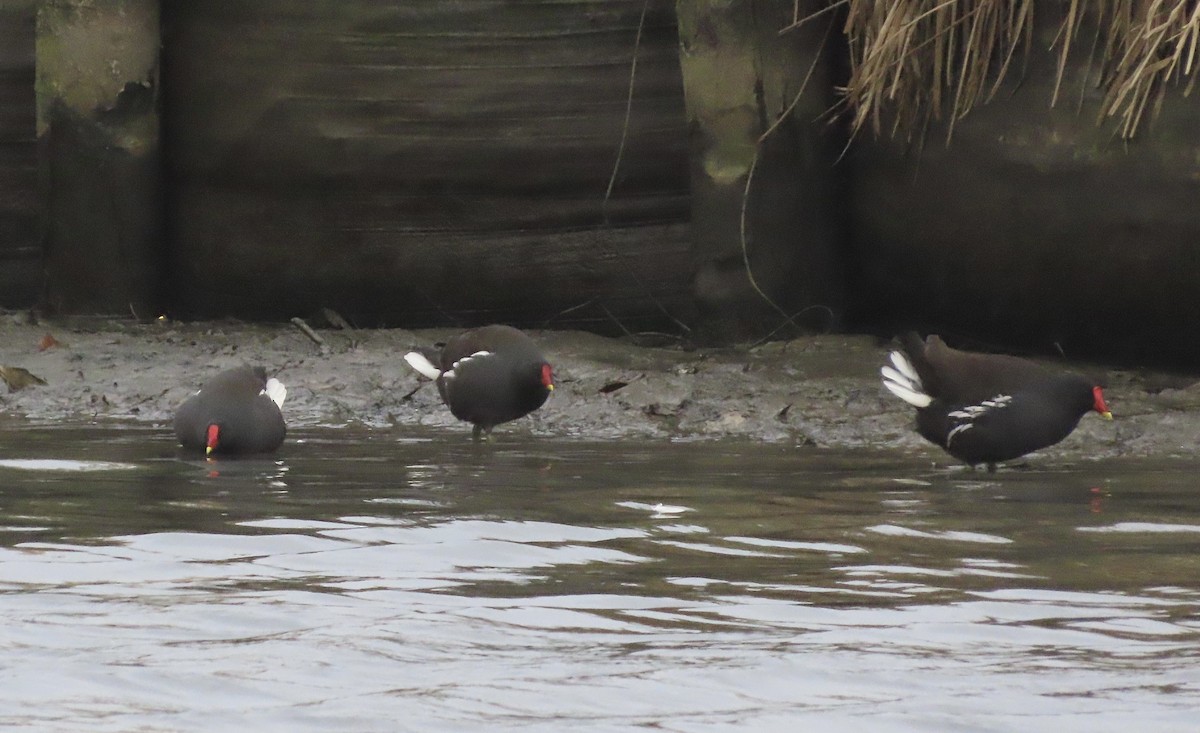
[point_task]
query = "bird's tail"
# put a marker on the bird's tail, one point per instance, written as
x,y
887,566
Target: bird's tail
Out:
x,y
422,364
276,391
901,380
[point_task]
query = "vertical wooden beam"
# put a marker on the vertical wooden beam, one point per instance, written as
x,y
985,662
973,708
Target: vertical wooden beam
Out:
x,y
20,250
742,78
98,154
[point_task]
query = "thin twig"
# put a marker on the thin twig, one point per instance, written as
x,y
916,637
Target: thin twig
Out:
x,y
576,307
620,325
817,55
612,179
797,22
307,330
791,321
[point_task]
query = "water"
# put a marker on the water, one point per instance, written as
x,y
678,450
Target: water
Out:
x,y
373,581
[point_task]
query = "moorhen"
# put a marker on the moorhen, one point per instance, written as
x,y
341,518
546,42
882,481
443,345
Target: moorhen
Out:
x,y
487,376
235,412
987,408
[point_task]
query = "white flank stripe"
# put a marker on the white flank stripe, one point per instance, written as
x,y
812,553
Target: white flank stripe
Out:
x,y
276,391
957,430
970,412
465,359
449,373
916,399
417,361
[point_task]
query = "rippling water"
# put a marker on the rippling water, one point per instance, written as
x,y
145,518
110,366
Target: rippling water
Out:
x,y
370,581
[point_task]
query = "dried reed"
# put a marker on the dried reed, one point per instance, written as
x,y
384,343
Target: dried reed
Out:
x,y
916,60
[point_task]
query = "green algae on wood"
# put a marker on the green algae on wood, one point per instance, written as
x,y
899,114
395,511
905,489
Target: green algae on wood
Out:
x,y
765,223
98,143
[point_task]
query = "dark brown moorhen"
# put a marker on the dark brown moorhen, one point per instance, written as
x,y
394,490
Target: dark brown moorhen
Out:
x,y
236,412
987,408
487,376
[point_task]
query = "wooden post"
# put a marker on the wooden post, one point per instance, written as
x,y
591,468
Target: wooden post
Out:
x,y
20,251
741,76
98,156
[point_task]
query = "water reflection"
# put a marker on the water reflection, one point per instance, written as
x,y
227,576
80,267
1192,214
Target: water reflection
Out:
x,y
361,578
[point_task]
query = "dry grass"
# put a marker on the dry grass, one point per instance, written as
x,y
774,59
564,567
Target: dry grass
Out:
x,y
916,60
1147,45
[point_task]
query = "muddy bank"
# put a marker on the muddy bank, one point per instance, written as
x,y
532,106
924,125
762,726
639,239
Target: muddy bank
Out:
x,y
819,391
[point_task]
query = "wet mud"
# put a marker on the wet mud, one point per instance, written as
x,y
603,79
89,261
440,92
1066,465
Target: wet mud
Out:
x,y
819,391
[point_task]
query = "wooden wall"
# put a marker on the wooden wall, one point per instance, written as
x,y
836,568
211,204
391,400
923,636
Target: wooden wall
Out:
x,y
20,251
426,163
450,162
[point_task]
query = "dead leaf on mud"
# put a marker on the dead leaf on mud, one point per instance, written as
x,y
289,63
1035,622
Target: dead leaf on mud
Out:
x,y
613,386
17,378
48,342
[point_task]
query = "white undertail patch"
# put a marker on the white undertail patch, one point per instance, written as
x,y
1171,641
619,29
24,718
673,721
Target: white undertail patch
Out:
x,y
421,364
903,381
901,362
276,391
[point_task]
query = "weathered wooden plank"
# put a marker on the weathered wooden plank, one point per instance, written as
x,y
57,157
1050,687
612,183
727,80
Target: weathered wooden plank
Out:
x,y
421,143
20,252
350,254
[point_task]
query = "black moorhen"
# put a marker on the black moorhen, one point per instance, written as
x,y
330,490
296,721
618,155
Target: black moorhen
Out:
x,y
987,408
235,412
487,376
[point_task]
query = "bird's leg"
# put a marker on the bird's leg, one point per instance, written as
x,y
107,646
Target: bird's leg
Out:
x,y
481,433
991,468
